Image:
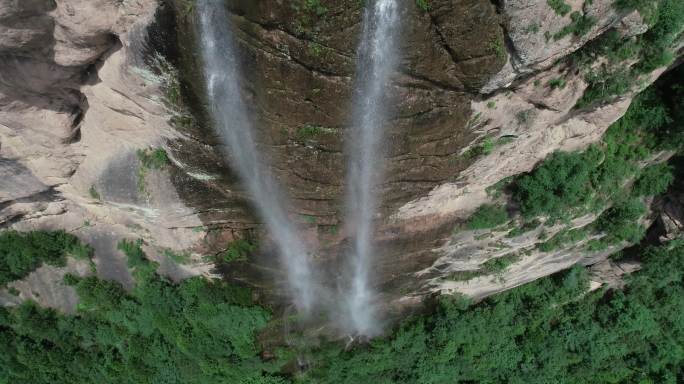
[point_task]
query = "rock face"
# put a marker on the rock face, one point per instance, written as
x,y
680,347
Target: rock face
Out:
x,y
89,89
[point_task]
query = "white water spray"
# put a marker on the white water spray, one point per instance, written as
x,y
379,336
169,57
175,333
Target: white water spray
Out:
x,y
377,58
230,117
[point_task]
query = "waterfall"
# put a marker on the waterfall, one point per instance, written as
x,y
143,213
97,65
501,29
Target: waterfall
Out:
x,y
376,60
230,117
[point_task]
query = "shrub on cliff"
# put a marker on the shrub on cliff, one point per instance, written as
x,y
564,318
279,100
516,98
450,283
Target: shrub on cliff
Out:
x,y
487,216
22,253
561,182
654,180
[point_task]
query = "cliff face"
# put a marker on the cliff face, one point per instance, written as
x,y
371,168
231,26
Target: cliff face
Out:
x,y
90,90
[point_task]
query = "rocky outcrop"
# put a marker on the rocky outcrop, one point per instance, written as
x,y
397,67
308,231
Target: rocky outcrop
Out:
x,y
74,111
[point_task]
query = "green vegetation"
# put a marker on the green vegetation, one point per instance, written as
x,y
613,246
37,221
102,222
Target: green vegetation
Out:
x,y
564,238
567,185
237,251
608,179
499,264
195,332
525,227
177,257
525,117
650,51
315,49
311,132
605,85
150,159
559,184
580,25
308,14
549,331
654,180
559,6
627,5
134,252
94,193
532,28
423,5
497,46
309,219
187,7
153,158
494,266
557,83
487,216
22,253
621,221
314,6
486,146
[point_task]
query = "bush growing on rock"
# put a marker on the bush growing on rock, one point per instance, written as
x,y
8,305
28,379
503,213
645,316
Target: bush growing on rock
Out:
x,y
560,183
487,216
22,253
654,180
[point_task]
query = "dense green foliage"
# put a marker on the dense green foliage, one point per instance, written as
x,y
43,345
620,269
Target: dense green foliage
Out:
x,y
487,216
621,221
566,185
616,75
559,184
196,332
22,253
548,331
559,6
238,250
654,180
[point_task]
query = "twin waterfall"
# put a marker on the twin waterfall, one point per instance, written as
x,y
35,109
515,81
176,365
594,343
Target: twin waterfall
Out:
x,y
376,60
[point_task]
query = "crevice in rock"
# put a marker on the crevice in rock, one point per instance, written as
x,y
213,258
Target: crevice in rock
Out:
x,y
498,4
442,39
541,106
46,196
291,59
433,83
275,27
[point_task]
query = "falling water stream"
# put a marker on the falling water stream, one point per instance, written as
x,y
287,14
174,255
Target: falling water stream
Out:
x,y
230,116
377,57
